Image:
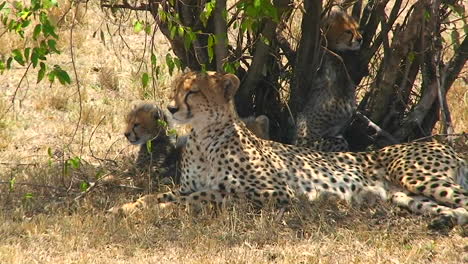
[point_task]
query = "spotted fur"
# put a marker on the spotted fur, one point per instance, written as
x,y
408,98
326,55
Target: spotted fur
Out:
x,y
224,159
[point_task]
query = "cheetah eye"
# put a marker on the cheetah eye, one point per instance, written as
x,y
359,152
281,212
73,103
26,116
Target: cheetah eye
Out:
x,y
136,125
348,31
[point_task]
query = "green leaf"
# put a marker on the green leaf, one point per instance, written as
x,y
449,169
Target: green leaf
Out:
x,y
25,23
24,14
149,146
40,76
84,186
145,79
189,38
9,61
148,29
170,63
53,45
137,26
49,152
228,67
161,123
181,31
37,31
28,196
171,132
49,30
162,15
26,53
49,3
2,66
51,76
63,77
206,13
211,41
153,60
11,184
75,162
173,32
35,57
411,56
257,3
18,56
18,5
2,5
427,15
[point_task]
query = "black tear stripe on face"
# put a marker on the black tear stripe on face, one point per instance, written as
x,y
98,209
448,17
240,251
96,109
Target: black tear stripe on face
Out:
x,y
133,129
186,103
136,135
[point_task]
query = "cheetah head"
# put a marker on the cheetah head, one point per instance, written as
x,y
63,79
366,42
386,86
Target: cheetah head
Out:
x,y
203,97
342,31
142,124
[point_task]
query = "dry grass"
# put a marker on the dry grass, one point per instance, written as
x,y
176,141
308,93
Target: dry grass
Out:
x,y
42,222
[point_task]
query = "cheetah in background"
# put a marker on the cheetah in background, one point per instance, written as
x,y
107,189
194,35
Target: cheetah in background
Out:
x,y
331,100
223,158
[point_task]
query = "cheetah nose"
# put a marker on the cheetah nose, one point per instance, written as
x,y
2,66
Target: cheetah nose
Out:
x,y
172,109
127,134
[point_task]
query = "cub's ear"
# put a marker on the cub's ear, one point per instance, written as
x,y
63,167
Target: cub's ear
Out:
x,y
230,85
158,114
264,122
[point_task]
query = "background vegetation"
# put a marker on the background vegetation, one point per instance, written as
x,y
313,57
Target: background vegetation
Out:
x,y
63,160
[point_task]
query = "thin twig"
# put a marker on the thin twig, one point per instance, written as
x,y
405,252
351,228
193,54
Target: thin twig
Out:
x,y
33,185
72,55
91,150
18,164
92,185
463,134
16,91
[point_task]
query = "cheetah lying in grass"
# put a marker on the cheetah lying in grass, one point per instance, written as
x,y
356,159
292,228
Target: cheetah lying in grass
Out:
x,y
224,159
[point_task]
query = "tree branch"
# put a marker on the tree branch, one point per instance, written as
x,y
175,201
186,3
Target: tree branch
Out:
x,y
455,65
416,117
262,50
220,30
308,55
126,5
403,42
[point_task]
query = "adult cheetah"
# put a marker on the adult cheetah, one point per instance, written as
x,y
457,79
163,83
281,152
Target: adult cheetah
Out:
x,y
223,158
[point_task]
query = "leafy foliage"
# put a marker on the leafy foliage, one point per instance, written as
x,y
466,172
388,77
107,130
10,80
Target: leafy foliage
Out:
x,y
17,17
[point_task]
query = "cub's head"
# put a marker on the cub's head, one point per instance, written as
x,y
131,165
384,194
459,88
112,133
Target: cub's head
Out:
x,y
200,97
341,31
259,125
142,124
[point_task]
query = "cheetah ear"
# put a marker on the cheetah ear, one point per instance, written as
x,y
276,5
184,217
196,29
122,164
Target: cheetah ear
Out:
x,y
230,85
264,122
158,114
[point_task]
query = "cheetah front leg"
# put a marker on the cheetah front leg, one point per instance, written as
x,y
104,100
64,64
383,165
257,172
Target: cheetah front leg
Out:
x,y
162,200
165,200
